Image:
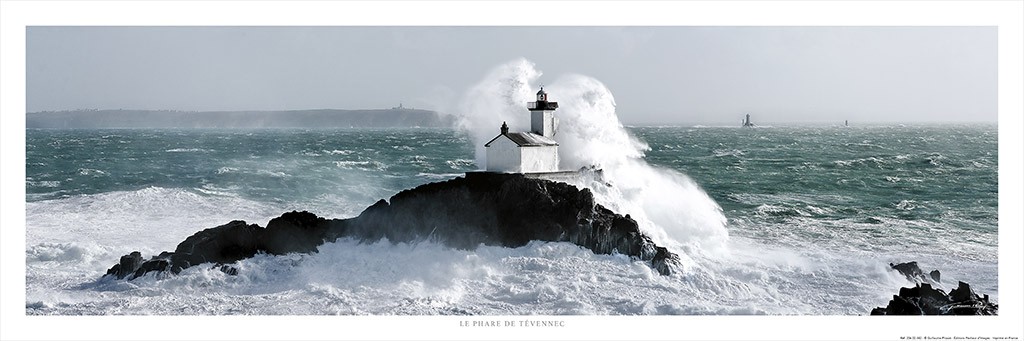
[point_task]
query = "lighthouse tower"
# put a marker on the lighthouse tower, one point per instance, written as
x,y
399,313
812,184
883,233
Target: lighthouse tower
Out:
x,y
527,152
542,115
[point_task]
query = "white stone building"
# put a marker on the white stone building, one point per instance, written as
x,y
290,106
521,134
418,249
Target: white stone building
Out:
x,y
527,152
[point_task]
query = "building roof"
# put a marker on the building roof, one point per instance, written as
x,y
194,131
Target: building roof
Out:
x,y
542,105
525,140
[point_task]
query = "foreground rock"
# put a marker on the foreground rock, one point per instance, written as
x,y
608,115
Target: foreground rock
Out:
x,y
924,299
481,208
914,273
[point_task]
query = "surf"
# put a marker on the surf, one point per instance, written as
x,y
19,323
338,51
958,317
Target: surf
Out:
x,y
670,206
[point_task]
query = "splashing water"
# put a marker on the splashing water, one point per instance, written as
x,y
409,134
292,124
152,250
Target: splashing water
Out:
x,y
500,97
668,205
818,245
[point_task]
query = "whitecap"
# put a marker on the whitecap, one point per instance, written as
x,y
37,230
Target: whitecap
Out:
x,y
338,152
460,163
370,165
226,170
44,183
440,176
728,152
188,150
906,205
91,172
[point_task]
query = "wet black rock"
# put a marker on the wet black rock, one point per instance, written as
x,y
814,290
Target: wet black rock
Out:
x,y
914,273
230,270
481,208
128,264
222,244
665,261
924,299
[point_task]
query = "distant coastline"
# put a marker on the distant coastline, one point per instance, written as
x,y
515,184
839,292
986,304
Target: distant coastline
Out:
x,y
317,118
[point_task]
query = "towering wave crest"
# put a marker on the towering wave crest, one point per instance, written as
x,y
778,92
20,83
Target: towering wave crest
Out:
x,y
500,97
668,205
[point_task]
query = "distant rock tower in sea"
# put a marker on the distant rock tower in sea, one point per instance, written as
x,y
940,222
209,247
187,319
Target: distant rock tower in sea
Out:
x,y
746,122
527,152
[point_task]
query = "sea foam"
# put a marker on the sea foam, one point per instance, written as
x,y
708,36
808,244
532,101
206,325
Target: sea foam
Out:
x,y
668,205
804,264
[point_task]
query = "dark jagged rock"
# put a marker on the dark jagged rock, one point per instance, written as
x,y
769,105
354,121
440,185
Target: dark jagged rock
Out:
x,y
909,269
132,265
963,292
295,232
230,270
158,264
923,299
915,274
900,305
128,264
481,208
222,244
664,261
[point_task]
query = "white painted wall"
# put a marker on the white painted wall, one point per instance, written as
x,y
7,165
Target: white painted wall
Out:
x,y
539,159
542,122
504,156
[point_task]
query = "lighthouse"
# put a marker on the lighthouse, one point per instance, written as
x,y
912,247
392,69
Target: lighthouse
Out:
x,y
747,123
534,151
542,115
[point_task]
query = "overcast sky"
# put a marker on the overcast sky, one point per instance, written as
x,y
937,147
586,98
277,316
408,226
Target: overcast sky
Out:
x,y
657,74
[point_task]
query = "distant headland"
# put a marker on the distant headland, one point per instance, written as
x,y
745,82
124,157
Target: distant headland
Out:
x,y
317,118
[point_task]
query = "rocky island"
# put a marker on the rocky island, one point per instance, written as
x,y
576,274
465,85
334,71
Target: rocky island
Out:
x,y
483,208
480,208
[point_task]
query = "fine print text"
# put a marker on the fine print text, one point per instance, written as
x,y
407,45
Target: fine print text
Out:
x,y
528,323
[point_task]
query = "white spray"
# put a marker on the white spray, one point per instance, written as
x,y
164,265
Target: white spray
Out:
x,y
500,97
668,205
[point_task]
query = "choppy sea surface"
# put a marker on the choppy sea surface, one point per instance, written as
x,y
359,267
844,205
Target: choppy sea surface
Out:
x,y
813,217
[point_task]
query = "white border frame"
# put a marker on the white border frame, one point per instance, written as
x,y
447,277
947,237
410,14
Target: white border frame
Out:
x,y
16,15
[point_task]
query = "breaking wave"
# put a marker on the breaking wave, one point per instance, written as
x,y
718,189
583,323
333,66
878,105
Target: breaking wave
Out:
x,y
787,253
669,206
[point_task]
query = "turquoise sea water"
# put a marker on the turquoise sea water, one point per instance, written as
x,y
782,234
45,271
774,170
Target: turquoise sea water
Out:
x,y
829,205
864,187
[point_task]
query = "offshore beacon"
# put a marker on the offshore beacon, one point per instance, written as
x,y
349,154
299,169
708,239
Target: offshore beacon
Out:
x,y
747,123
